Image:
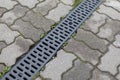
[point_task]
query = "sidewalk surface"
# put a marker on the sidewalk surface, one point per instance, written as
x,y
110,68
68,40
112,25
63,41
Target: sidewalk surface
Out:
x,y
93,54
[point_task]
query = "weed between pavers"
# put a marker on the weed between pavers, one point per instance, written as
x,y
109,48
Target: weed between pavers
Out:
x,y
5,70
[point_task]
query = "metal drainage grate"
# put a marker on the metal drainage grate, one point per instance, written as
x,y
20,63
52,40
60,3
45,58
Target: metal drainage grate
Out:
x,y
36,58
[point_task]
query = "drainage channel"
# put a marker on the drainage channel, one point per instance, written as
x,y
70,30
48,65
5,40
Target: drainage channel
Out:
x,y
43,52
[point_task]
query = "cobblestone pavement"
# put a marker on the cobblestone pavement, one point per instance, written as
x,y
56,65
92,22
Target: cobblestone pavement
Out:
x,y
93,54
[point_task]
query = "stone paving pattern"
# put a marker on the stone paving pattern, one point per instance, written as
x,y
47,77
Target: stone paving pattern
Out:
x,y
93,54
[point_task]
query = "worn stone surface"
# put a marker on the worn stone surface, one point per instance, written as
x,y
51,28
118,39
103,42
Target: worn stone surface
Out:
x,y
79,71
108,31
92,40
57,66
38,78
7,35
110,60
2,45
113,3
83,51
68,2
117,41
28,3
10,16
95,22
27,30
2,67
15,50
110,12
44,7
118,75
38,20
2,10
8,4
58,12
98,75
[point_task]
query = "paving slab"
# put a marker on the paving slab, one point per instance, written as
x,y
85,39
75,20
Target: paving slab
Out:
x,y
8,4
7,34
92,40
12,52
117,41
58,12
110,60
57,66
38,20
99,75
68,2
83,51
113,3
109,11
27,30
44,7
95,22
2,10
79,71
108,31
28,3
10,16
2,45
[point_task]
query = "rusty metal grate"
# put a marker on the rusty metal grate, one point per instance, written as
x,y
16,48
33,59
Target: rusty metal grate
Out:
x,y
38,57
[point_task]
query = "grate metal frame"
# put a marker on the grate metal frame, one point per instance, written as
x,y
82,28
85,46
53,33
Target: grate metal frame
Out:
x,y
42,53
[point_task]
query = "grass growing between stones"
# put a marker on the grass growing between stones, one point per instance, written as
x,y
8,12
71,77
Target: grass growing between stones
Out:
x,y
6,69
76,3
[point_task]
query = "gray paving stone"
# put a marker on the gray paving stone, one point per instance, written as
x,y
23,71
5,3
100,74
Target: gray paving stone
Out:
x,y
83,51
117,41
12,52
110,12
10,16
68,2
90,39
94,22
28,3
79,71
110,60
57,66
2,45
58,12
98,75
2,10
27,30
109,30
9,4
44,7
2,67
7,34
38,20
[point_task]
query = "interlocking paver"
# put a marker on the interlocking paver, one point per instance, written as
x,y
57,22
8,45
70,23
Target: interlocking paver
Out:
x,y
118,75
117,41
15,50
113,3
98,75
44,7
28,3
58,12
92,40
2,45
10,16
108,31
110,60
7,34
110,12
95,22
2,10
2,66
38,20
27,30
83,51
8,4
57,66
80,71
69,2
